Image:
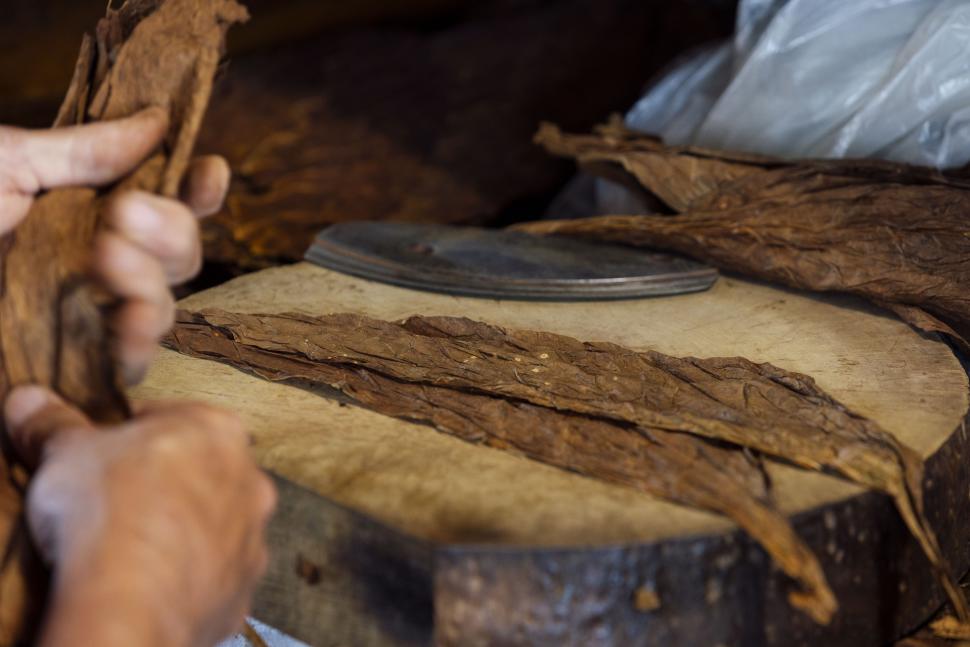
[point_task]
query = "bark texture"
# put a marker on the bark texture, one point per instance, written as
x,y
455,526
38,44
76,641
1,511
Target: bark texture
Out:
x,y
147,53
895,234
644,420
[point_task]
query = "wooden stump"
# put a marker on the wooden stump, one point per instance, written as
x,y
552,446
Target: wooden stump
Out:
x,y
391,533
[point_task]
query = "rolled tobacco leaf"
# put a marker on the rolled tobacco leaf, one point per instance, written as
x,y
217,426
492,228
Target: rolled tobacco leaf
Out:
x,y
148,53
573,405
897,235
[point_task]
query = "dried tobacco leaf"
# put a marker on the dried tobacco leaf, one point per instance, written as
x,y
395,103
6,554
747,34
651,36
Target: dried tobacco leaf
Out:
x,y
161,53
676,467
756,406
895,234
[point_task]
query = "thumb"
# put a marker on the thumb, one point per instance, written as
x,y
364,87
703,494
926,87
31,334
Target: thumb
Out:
x,y
37,419
90,155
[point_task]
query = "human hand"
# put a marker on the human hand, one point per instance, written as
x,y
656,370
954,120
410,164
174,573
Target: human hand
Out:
x,y
148,242
154,527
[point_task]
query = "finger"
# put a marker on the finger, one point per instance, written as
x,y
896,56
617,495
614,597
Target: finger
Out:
x,y
164,228
132,274
205,185
209,422
93,154
37,419
148,309
137,327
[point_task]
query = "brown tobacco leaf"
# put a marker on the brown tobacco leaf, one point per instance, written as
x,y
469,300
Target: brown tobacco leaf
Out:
x,y
688,178
160,53
757,406
891,233
673,466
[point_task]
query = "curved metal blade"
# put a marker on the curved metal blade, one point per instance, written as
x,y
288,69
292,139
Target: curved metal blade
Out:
x,y
500,264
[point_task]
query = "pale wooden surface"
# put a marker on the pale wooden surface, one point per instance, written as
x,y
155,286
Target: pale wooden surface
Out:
x,y
421,481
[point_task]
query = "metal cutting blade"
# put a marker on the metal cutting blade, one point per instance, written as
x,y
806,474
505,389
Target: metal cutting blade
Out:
x,y
501,264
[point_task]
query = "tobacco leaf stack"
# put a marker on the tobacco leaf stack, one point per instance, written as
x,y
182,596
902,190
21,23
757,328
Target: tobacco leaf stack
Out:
x,y
671,427
897,235
148,53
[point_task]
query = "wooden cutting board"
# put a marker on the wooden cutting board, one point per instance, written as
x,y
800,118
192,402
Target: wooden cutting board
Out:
x,y
391,533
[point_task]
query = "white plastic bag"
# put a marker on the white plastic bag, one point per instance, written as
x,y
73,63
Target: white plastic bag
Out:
x,y
827,78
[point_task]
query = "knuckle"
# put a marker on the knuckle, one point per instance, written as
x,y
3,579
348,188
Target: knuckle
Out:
x,y
225,420
11,143
187,267
185,232
181,237
210,418
142,322
125,214
140,325
115,208
11,140
183,247
16,171
172,237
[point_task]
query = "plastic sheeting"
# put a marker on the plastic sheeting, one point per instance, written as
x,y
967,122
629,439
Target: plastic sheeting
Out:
x,y
887,79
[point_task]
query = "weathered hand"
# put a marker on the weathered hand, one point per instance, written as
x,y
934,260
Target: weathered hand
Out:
x,y
154,527
148,242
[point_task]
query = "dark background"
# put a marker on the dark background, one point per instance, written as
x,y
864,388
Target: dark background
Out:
x,y
414,110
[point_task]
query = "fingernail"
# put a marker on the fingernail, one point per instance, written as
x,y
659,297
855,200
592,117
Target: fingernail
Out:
x,y
23,403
